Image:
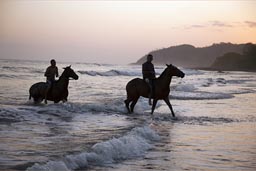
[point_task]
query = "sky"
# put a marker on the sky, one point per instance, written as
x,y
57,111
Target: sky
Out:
x,y
118,32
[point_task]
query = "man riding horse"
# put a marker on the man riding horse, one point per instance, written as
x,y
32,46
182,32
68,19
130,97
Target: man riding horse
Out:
x,y
50,74
148,72
138,87
57,92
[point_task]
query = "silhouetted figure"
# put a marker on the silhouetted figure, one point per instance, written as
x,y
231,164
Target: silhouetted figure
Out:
x,y
50,74
58,91
138,87
149,75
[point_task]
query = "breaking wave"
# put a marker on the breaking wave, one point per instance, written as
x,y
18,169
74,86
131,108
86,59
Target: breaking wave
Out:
x,y
199,95
189,92
185,88
202,120
132,145
110,73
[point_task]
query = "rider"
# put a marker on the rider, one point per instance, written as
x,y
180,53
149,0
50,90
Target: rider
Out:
x,y
50,74
148,72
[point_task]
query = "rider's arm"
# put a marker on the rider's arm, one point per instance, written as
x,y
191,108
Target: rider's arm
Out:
x,y
47,72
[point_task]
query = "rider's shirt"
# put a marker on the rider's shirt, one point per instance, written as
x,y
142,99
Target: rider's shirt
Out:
x,y
148,70
50,73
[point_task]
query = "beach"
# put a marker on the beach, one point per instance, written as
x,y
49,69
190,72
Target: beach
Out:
x,y
214,127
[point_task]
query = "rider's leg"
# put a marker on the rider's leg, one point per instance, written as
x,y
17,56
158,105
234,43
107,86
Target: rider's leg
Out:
x,y
150,92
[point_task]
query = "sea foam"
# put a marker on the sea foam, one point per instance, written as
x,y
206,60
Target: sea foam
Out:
x,y
185,88
110,73
199,95
132,145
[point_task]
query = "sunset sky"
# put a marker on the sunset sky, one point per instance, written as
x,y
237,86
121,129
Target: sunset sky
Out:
x,y
118,32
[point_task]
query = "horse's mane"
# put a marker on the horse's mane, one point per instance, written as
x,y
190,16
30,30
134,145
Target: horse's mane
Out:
x,y
163,73
61,76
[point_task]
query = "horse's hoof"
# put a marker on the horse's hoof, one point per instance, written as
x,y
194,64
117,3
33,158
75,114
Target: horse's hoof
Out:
x,y
174,118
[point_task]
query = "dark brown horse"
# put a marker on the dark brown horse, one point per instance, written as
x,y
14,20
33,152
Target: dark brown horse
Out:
x,y
138,87
58,91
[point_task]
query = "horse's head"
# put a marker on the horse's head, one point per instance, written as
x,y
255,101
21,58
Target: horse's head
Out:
x,y
70,73
174,71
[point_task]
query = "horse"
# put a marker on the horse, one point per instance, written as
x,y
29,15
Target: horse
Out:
x,y
138,87
58,91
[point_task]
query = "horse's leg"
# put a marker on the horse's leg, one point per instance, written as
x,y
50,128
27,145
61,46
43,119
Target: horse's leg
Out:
x,y
153,106
35,100
38,100
167,101
45,96
133,104
127,102
65,96
48,89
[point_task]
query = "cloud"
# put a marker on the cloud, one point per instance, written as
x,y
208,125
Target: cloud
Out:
x,y
217,23
197,26
250,23
194,26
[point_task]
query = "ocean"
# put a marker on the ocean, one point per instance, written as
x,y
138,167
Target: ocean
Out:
x,y
214,128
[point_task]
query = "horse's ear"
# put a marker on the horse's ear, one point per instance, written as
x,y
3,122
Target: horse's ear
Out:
x,y
167,65
67,67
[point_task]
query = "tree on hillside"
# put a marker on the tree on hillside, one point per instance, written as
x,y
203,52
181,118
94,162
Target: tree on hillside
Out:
x,y
249,50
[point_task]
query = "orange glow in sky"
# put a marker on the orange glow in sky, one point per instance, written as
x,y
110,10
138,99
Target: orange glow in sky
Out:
x,y
118,31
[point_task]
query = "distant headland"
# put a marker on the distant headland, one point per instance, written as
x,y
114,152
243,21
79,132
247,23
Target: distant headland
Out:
x,y
222,56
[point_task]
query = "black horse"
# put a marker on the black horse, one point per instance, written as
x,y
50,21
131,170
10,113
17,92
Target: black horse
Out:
x,y
138,87
58,91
